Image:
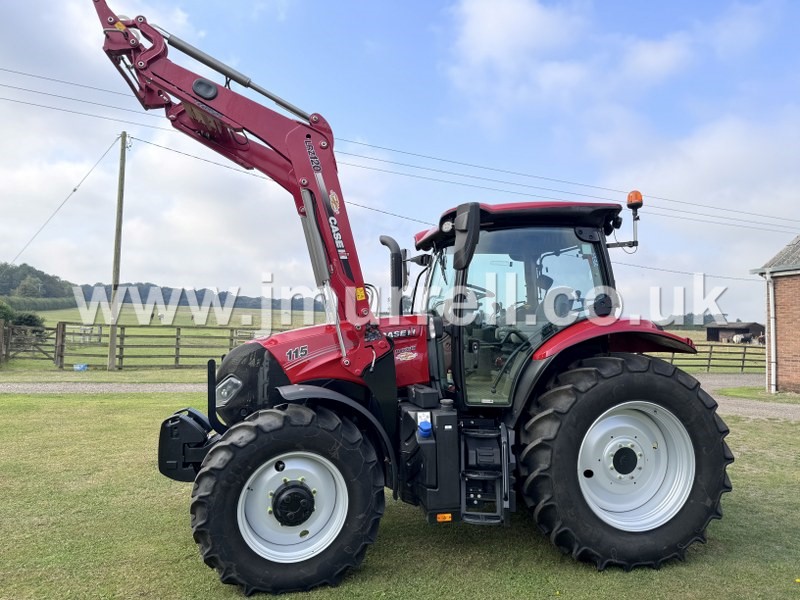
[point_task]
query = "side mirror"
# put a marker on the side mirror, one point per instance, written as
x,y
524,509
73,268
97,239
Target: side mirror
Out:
x,y
603,305
468,227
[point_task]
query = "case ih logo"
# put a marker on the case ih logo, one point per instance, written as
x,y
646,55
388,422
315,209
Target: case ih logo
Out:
x,y
402,333
337,238
335,205
312,156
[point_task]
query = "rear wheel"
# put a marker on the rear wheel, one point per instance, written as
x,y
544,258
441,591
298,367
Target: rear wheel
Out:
x,y
287,500
623,461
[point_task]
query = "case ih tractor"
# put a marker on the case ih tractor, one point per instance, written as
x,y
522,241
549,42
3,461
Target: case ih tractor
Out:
x,y
499,392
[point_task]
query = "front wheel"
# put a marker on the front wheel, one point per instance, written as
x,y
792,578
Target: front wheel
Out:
x,y
623,461
287,500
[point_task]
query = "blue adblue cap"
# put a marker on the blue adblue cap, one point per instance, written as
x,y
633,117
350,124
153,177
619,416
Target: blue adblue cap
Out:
x,y
425,430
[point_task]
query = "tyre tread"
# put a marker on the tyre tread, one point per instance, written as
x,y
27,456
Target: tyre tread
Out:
x,y
238,437
542,426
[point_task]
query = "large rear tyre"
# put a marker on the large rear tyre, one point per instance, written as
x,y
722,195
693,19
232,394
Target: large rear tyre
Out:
x,y
623,461
287,500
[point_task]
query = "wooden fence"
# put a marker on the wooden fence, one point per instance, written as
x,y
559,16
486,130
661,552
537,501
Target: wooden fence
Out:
x,y
145,346
163,347
32,343
721,358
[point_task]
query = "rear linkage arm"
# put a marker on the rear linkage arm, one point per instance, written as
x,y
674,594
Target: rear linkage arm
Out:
x,y
298,155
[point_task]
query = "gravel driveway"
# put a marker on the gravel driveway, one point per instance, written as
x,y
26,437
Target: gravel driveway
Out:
x,y
99,388
711,382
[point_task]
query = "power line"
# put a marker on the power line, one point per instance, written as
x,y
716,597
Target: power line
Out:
x,y
467,164
265,178
687,272
744,224
560,191
188,155
555,180
63,202
62,97
72,83
84,114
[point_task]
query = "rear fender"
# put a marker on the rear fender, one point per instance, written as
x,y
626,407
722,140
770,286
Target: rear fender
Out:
x,y
341,404
588,339
623,335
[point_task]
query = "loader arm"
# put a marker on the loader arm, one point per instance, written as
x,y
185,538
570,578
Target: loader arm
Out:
x,y
295,153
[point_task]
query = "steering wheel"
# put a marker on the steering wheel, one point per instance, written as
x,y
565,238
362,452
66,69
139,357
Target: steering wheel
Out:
x,y
509,331
481,292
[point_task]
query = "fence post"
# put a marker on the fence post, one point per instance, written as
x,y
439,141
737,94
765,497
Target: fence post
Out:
x,y
2,341
231,338
710,352
177,347
744,357
120,346
61,334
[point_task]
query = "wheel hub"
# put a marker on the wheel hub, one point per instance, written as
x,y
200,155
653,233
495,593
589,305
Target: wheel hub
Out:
x,y
636,466
293,503
625,461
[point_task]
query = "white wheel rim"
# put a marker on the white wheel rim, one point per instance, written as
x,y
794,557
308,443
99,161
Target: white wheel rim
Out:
x,y
636,466
263,532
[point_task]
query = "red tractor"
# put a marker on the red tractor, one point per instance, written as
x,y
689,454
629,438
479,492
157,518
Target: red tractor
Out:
x,y
499,391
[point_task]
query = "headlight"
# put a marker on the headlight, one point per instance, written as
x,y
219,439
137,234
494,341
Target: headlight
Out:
x,y
227,389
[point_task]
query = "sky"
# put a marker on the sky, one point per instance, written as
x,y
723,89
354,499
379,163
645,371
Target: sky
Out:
x,y
432,104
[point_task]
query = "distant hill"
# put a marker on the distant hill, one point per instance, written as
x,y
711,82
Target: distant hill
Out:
x,y
27,288
28,282
241,301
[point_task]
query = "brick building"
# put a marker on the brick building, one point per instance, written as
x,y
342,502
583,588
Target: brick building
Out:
x,y
782,274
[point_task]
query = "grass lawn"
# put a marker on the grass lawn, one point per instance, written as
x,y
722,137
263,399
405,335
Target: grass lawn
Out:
x,y
759,393
33,371
85,514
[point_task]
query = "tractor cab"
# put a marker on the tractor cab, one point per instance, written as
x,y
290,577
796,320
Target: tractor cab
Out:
x,y
506,278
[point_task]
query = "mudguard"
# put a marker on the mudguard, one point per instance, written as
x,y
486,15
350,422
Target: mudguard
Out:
x,y
301,393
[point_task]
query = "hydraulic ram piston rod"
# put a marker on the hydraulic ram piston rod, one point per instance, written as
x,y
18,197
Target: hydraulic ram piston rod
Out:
x,y
229,72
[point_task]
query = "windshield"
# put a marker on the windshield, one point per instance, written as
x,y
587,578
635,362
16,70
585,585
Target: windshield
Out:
x,y
523,285
525,277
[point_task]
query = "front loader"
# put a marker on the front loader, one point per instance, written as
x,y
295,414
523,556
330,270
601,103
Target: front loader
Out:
x,y
511,384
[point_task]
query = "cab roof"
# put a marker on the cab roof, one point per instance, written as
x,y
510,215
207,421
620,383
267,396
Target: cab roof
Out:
x,y
519,214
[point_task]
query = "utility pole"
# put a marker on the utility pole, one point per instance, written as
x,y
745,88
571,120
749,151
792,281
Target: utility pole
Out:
x,y
112,335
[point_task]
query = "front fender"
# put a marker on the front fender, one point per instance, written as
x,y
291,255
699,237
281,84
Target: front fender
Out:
x,y
298,393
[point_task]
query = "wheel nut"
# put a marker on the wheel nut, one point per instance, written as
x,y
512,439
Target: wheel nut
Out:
x,y
619,476
314,491
285,480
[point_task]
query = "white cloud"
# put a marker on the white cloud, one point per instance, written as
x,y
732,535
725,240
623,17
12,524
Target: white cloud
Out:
x,y
187,223
740,30
500,35
731,164
653,61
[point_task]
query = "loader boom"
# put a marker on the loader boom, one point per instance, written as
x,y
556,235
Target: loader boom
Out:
x,y
296,154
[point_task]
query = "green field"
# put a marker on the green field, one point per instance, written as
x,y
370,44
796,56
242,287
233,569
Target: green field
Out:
x,y
155,344
759,393
85,514
240,318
